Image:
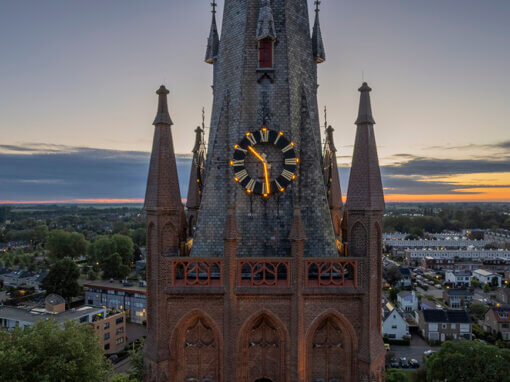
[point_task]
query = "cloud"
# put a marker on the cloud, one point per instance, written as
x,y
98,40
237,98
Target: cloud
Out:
x,y
53,172
57,172
503,145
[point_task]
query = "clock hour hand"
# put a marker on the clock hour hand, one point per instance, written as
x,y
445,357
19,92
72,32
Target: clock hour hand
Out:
x,y
264,162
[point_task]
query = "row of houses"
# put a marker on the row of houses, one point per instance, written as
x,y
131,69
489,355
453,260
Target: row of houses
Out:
x,y
464,278
109,326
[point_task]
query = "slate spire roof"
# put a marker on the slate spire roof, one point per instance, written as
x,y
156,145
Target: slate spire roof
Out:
x,y
213,41
163,184
319,53
265,27
365,191
196,178
331,171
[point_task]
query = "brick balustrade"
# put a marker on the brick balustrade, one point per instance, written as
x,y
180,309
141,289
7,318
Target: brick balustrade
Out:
x,y
265,272
331,273
197,272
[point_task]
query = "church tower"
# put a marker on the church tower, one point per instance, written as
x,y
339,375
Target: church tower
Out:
x,y
270,291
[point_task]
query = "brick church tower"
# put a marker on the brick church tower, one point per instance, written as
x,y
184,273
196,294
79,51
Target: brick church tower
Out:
x,y
270,284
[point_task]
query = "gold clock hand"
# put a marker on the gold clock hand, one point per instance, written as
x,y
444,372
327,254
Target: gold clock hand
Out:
x,y
264,162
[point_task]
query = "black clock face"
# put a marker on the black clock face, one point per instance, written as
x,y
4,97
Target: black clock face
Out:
x,y
264,162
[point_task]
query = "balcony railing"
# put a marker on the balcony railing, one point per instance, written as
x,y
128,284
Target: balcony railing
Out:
x,y
263,272
331,273
197,272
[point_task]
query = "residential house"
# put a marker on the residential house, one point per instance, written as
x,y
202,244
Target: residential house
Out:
x,y
496,265
441,325
407,301
394,326
457,298
458,278
503,295
484,276
497,321
131,297
405,280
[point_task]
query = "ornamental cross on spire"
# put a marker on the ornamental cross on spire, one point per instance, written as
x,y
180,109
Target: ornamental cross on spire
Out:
x,y
214,5
317,3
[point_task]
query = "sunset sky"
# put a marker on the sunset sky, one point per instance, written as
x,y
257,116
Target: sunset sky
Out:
x,y
77,83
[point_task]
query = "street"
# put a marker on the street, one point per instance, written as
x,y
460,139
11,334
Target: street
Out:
x,y
415,350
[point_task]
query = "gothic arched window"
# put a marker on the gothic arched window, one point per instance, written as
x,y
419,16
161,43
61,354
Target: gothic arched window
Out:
x,y
329,357
264,351
201,352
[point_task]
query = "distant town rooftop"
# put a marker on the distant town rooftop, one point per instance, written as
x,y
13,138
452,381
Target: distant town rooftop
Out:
x,y
33,315
453,316
132,286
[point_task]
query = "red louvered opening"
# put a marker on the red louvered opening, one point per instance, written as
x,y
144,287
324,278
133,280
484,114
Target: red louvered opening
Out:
x,y
266,53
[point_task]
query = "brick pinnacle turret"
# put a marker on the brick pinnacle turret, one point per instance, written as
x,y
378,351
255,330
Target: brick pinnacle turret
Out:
x,y
365,187
319,53
163,184
213,42
196,178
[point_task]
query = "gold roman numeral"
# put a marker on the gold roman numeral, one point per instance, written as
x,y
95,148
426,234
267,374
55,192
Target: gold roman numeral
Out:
x,y
241,175
251,185
287,174
251,138
264,135
238,163
287,148
291,161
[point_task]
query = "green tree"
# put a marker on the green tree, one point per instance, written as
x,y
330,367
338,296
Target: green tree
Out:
x,y
46,352
91,274
478,310
486,288
40,233
62,278
66,244
136,371
469,361
124,247
475,283
113,268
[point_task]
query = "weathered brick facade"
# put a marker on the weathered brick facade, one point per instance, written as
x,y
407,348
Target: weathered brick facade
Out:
x,y
265,294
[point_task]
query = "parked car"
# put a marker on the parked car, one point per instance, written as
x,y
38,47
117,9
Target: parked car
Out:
x,y
414,363
394,362
404,363
428,352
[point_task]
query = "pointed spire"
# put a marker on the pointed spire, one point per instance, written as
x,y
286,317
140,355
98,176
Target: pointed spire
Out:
x,y
365,186
319,53
162,116
331,173
265,28
365,109
213,42
163,184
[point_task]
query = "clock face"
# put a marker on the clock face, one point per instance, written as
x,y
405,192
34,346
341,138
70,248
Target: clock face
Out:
x,y
264,162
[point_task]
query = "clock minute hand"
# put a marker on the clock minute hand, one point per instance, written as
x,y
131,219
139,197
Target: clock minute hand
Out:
x,y
264,162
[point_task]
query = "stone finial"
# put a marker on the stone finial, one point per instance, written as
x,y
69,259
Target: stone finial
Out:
x,y
319,52
265,27
365,109
297,229
329,138
198,139
213,41
231,232
365,192
162,116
